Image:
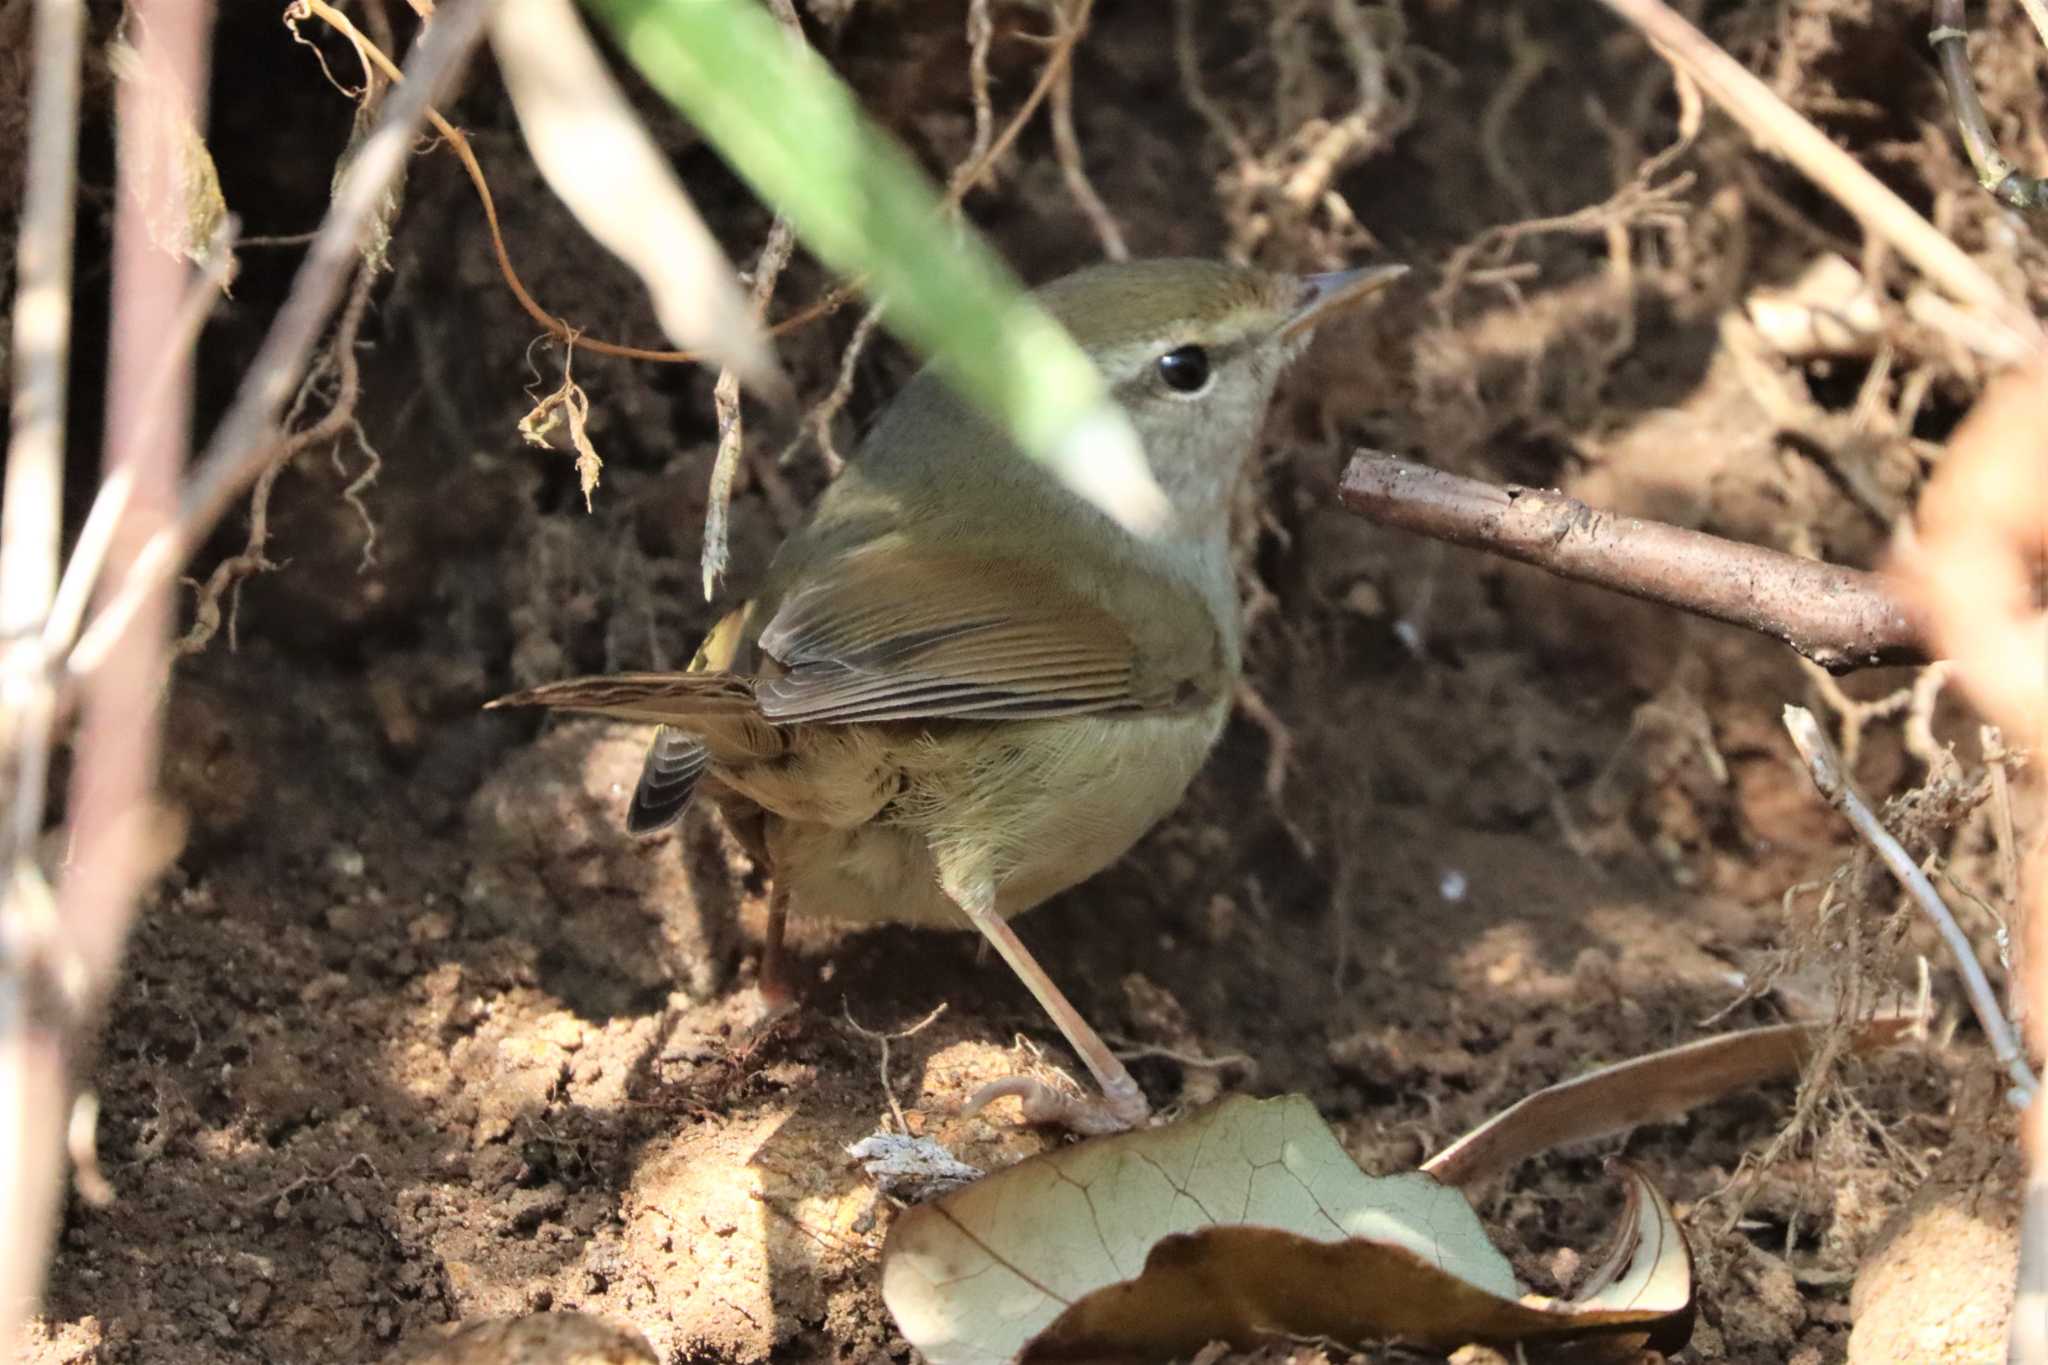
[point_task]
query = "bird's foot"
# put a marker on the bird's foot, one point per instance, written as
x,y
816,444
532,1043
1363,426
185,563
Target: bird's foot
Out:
x,y
1117,1110
756,1019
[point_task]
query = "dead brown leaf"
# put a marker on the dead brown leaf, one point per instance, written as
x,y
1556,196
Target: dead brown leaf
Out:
x,y
1653,1089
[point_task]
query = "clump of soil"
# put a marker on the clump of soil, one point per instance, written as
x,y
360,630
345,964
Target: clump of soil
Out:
x,y
413,1033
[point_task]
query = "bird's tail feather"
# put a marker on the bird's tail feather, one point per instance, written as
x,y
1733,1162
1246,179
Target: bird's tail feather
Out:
x,y
667,697
675,761
708,712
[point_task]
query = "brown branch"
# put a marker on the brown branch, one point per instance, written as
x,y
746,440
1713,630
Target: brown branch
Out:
x,y
1839,618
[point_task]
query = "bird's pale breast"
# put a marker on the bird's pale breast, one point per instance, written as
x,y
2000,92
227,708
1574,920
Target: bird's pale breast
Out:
x,y
1038,806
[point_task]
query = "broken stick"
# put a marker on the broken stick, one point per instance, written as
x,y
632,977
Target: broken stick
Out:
x,y
1840,618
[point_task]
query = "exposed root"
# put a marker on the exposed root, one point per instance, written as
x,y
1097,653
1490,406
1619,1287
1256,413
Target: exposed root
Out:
x,y
1067,147
1528,59
1644,201
817,423
981,32
373,465
1317,129
227,577
1858,930
881,1040
775,253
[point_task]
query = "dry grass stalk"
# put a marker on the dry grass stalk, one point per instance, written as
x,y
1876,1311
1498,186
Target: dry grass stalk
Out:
x,y
1832,779
32,1060
1999,177
61,957
775,255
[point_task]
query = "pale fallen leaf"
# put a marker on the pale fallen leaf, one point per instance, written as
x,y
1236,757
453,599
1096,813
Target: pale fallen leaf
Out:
x,y
1653,1089
1243,1221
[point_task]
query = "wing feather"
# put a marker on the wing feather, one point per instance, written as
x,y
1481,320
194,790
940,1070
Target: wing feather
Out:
x,y
878,637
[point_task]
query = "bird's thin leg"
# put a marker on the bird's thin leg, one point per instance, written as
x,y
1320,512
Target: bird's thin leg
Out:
x,y
1122,1105
776,992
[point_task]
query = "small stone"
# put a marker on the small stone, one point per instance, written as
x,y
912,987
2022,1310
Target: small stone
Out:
x,y
352,922
436,926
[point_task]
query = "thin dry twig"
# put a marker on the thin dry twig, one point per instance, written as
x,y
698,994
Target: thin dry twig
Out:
x,y
32,521
775,253
981,34
817,423
1840,618
1825,765
882,1040
2011,332
2001,179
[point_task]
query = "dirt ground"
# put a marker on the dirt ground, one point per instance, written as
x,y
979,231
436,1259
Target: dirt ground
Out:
x,y
413,1033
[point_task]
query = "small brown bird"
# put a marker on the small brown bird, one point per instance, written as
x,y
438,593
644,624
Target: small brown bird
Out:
x,y
963,689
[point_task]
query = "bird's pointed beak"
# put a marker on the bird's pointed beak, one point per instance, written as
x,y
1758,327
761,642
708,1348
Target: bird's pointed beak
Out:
x,y
1339,291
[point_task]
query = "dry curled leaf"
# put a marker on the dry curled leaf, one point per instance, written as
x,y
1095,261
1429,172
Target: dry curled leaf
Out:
x,y
178,185
1653,1089
1245,1221
564,415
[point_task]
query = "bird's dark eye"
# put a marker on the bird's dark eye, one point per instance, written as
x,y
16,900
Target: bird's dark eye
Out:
x,y
1185,368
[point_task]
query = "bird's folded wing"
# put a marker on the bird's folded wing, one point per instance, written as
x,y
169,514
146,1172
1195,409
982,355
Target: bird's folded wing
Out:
x,y
926,636
874,637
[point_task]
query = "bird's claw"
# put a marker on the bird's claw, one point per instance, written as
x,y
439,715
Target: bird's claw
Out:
x,y
1114,1111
